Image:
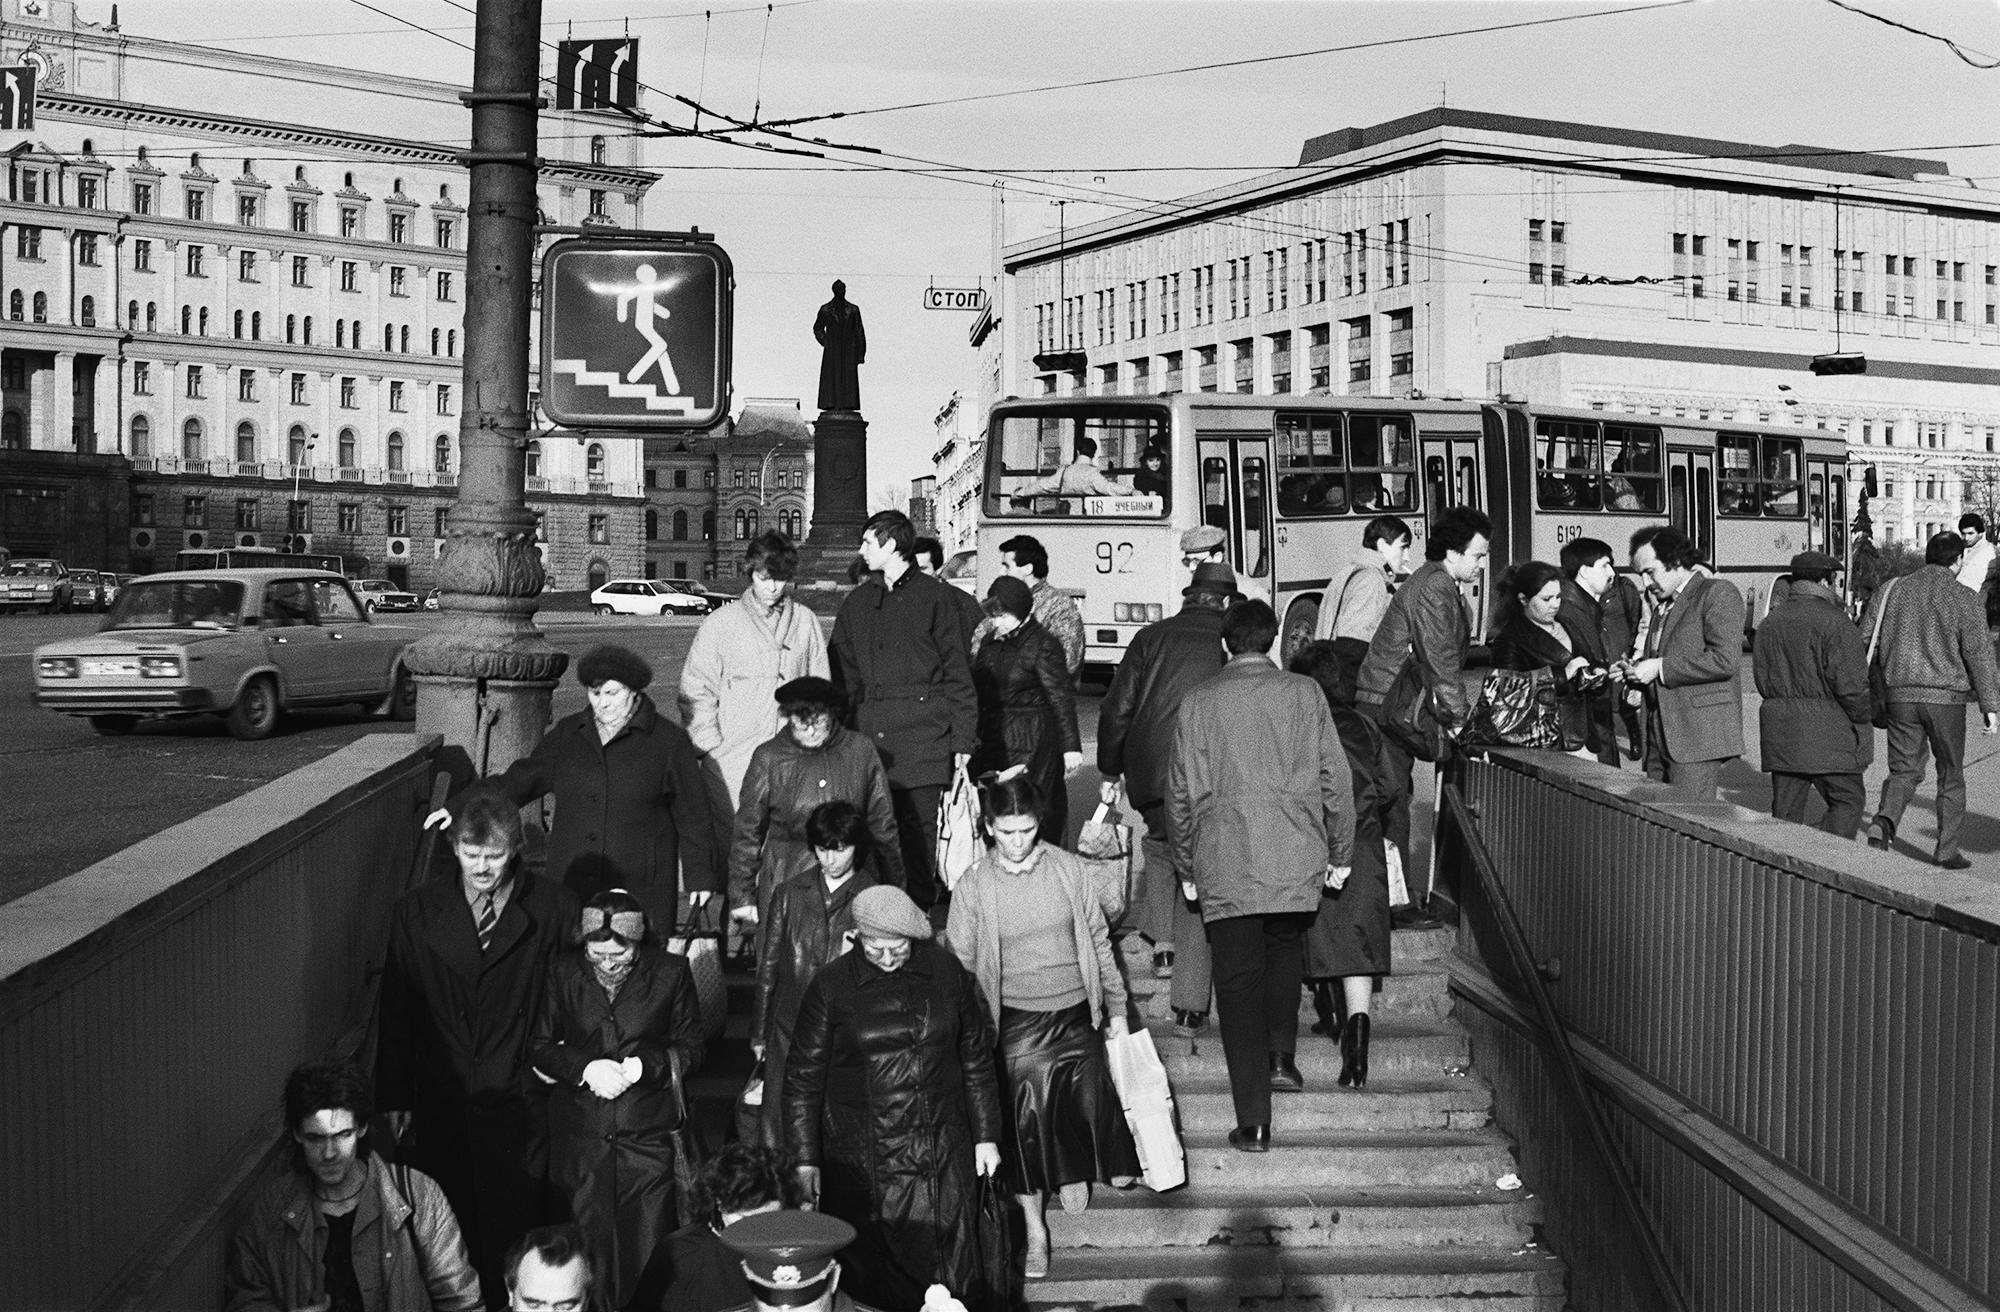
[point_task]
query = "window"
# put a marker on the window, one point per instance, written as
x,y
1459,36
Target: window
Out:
x,y
450,341
296,444
593,462
28,243
1760,475
15,301
600,204
443,285
194,510
708,478
398,517
395,449
142,445
150,317
86,248
399,227
388,337
398,280
142,256
347,393
305,329
299,519
441,454
142,198
349,279
86,193
534,460
680,525
194,382
247,210
246,384
142,378
437,522
246,266
142,502
600,528
41,304
301,216
1334,464
237,325
194,262
444,398
350,221
246,509
396,396
447,233
708,526
1030,450
197,203
350,517
86,312
652,525
345,448
298,389
1360,350
299,267
1584,465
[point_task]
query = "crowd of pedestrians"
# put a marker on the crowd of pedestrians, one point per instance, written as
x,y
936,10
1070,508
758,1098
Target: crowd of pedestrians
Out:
x,y
932,1061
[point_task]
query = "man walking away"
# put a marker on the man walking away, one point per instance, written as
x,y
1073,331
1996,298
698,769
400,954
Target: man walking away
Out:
x,y
1811,666
1690,669
930,559
1601,611
1937,656
1135,736
1260,806
898,652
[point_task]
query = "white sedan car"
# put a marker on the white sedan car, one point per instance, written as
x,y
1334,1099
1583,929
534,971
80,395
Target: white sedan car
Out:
x,y
644,597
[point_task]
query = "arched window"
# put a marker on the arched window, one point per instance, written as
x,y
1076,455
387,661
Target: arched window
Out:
x,y
405,348
442,456
194,162
652,525
680,525
742,526
152,316
388,337
191,440
347,179
13,432
14,304
395,450
599,573
299,173
305,329
142,154
708,526
142,436
256,325
246,442
597,150
296,441
451,342
204,321
187,320
346,448
236,326
132,314
41,307
398,188
534,459
593,460
86,310
434,341
753,526
340,332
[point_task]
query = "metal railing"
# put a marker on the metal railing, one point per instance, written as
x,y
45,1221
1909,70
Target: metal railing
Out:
x,y
1794,1040
151,1005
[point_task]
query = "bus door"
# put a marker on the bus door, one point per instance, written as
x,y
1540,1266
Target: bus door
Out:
x,y
1826,522
1451,478
1691,498
1236,498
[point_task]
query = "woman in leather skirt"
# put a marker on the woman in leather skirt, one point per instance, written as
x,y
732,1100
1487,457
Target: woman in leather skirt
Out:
x,y
1028,926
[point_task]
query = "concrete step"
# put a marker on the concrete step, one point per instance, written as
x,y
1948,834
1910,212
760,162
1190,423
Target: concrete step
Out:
x,y
1418,989
1398,1048
1451,1102
1298,1218
1376,1278
1350,1159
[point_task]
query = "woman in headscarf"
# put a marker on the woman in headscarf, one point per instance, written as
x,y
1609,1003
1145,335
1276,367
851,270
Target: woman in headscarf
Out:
x,y
892,1107
619,1032
1027,924
1027,712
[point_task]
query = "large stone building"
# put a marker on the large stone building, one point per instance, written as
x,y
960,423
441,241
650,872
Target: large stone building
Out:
x,y
708,494
1454,252
221,298
960,454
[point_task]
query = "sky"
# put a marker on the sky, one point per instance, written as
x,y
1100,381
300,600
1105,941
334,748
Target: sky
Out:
x,y
1760,71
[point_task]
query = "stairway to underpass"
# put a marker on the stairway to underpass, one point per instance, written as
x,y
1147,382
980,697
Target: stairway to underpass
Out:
x,y
1386,1198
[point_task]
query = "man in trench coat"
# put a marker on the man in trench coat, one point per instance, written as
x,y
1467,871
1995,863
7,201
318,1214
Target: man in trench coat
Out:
x,y
1815,726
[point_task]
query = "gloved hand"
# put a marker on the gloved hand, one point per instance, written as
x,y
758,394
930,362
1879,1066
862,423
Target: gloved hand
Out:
x,y
605,1078
986,1158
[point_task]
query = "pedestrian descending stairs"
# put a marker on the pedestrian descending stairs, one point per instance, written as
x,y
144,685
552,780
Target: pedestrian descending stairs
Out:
x,y
1368,1201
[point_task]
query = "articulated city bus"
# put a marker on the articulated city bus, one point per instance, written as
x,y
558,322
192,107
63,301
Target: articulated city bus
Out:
x,y
1291,481
259,558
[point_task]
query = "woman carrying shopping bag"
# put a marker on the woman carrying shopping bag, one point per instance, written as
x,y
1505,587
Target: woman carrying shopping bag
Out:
x,y
1027,924
1027,712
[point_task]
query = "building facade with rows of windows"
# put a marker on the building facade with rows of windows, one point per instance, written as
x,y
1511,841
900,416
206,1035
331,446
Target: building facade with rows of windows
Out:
x,y
708,495
1454,252
252,315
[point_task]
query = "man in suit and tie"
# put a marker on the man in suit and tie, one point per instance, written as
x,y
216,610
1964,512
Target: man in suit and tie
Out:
x,y
461,989
1690,668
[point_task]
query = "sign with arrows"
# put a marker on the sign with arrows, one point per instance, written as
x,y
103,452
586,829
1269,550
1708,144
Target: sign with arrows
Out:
x,y
954,298
636,332
17,98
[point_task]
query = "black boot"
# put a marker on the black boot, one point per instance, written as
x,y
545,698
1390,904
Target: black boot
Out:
x,y
1330,1005
1354,1053
1285,1077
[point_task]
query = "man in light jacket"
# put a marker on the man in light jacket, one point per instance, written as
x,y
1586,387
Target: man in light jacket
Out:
x,y
1937,656
1357,597
1815,733
1260,808
1690,668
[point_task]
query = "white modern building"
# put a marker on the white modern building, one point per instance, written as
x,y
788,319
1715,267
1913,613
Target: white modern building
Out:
x,y
1453,252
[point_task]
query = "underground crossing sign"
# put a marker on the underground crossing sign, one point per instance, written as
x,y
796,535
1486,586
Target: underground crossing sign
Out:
x,y
636,333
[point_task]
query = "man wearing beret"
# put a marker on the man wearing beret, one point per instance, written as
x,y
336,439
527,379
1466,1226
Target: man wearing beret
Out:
x,y
1811,666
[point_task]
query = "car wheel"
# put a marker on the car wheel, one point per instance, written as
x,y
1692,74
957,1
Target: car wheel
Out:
x,y
255,714
601,610
402,702
368,608
114,726
1300,621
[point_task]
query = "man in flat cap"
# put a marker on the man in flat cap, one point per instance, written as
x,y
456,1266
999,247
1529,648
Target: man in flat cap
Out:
x,y
789,1258
1206,544
1811,667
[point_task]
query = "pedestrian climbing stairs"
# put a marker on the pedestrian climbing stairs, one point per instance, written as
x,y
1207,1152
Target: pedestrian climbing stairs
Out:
x,y
1369,1201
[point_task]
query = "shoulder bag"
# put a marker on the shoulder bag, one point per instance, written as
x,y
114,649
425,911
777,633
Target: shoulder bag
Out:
x,y
1516,708
1409,713
701,945
1878,678
689,1150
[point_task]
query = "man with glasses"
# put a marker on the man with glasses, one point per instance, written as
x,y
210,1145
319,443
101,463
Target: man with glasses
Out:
x,y
1209,545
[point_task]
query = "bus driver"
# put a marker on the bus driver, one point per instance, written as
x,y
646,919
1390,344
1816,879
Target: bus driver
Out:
x,y
1079,478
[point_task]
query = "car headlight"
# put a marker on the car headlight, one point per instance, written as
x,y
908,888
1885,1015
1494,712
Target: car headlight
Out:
x,y
45,587
57,667
159,667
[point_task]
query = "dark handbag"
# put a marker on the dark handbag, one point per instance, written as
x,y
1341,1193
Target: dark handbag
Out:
x,y
1878,678
1517,708
1409,713
689,1150
990,1238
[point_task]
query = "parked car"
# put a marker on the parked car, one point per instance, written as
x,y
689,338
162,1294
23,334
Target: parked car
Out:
x,y
87,590
36,583
244,644
644,597
380,594
431,599
710,598
112,584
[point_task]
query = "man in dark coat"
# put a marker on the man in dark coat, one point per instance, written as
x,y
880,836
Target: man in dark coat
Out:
x,y
900,654
462,985
1691,668
1811,666
1601,611
632,807
930,559
838,329
1135,735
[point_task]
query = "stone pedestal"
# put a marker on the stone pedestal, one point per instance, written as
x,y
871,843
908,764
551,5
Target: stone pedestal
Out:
x,y
840,495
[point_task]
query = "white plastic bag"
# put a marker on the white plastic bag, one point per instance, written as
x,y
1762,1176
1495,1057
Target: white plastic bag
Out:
x,y
1399,888
1149,1108
958,845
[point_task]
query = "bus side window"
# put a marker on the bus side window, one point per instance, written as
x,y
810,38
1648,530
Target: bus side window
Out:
x,y
1215,493
1256,556
1677,498
1436,491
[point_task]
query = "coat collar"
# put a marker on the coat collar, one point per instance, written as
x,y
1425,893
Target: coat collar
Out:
x,y
1249,664
1683,603
644,717
377,1203
455,937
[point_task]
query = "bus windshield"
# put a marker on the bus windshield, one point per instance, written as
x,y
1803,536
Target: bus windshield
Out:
x,y
1076,462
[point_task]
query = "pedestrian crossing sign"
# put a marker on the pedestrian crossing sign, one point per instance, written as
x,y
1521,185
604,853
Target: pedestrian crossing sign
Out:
x,y
636,333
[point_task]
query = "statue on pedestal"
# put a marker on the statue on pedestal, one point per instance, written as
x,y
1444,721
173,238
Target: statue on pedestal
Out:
x,y
838,330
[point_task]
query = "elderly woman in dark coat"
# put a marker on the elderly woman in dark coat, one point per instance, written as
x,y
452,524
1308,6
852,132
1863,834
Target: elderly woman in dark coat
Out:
x,y
892,1107
1027,711
813,760
618,1033
1530,636
811,923
1347,948
632,808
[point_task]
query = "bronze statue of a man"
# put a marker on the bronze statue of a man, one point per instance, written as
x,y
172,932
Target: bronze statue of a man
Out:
x,y
838,329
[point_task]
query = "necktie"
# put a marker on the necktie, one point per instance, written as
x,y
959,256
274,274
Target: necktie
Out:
x,y
487,919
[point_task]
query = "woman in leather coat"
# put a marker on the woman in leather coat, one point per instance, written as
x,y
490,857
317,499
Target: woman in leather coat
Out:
x,y
1027,711
619,1030
892,1108
1529,637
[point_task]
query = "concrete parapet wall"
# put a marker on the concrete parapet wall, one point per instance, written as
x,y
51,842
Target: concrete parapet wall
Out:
x,y
151,1005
